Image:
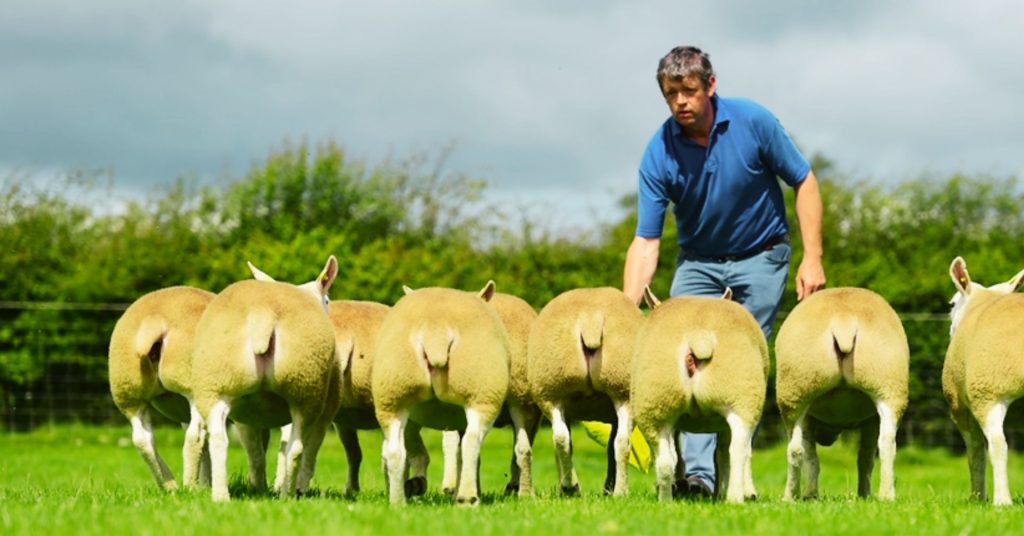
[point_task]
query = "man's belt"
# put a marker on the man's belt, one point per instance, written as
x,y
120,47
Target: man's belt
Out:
x,y
769,244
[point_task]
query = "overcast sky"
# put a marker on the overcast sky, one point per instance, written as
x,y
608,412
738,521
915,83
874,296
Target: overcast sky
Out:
x,y
552,102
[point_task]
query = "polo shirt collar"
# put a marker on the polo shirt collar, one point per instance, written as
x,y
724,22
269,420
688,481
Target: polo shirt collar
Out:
x,y
722,116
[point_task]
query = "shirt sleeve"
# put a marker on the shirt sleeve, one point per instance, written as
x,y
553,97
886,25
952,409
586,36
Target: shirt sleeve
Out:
x,y
652,197
780,153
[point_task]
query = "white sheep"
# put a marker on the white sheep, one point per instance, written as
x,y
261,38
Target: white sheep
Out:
x,y
842,362
520,411
150,367
580,351
984,371
701,365
265,356
441,360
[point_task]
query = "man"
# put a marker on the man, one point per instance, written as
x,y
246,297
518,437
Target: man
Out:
x,y
718,161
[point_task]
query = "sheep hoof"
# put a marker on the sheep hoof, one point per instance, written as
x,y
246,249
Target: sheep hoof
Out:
x,y
680,488
512,488
571,491
609,486
416,486
448,491
467,501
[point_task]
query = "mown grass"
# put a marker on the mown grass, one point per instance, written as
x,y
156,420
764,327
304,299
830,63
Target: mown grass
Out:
x,y
87,480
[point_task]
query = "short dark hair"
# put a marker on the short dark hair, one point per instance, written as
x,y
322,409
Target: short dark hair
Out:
x,y
681,62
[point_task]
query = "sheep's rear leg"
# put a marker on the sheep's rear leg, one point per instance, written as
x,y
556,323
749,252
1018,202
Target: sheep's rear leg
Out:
x,y
217,426
887,451
418,460
974,438
282,457
867,448
353,455
145,443
622,448
795,456
451,447
312,441
195,452
293,457
253,443
997,452
741,433
472,438
562,438
393,456
525,422
666,458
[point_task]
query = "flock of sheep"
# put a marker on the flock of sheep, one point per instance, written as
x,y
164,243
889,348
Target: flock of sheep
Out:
x,y
267,354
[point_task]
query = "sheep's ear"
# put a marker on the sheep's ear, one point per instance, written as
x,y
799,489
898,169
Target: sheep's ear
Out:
x,y
487,292
407,289
327,276
958,273
258,274
652,301
1017,281
727,295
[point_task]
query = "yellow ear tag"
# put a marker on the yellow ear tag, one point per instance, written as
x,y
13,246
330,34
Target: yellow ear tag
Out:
x,y
963,282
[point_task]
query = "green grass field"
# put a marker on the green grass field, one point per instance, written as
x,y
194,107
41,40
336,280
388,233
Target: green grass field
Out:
x,y
88,480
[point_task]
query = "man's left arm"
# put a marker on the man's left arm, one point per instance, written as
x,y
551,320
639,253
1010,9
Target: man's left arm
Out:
x,y
810,275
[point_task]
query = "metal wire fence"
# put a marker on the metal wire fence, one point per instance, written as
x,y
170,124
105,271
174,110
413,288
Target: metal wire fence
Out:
x,y
59,373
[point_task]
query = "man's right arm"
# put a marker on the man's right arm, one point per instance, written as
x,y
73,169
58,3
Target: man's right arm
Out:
x,y
641,261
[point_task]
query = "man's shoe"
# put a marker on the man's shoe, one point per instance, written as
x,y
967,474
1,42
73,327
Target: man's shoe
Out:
x,y
698,488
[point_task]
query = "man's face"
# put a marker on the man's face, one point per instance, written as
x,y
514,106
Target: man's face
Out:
x,y
689,101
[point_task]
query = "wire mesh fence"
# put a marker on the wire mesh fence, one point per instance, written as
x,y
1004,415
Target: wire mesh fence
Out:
x,y
53,369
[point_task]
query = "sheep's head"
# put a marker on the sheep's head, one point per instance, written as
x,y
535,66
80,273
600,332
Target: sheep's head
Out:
x,y
968,291
317,288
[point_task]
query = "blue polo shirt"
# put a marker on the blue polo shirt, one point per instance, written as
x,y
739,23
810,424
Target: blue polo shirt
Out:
x,y
726,196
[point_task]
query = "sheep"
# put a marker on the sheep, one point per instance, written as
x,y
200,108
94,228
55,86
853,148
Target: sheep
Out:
x,y
520,411
150,362
356,324
579,356
842,362
265,355
984,371
701,365
441,360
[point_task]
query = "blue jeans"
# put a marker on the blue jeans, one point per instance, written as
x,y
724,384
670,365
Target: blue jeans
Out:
x,y
757,282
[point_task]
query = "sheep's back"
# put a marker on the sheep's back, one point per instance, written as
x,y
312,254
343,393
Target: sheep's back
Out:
x,y
735,376
556,364
303,362
134,378
994,361
806,358
478,363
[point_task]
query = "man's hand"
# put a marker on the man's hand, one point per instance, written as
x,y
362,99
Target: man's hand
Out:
x,y
810,277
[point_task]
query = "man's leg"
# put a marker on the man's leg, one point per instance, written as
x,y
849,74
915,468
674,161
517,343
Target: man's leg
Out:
x,y
758,283
698,278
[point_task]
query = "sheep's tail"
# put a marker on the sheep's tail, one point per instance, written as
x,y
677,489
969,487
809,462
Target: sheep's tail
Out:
x,y
435,345
702,344
260,329
844,335
591,330
150,337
